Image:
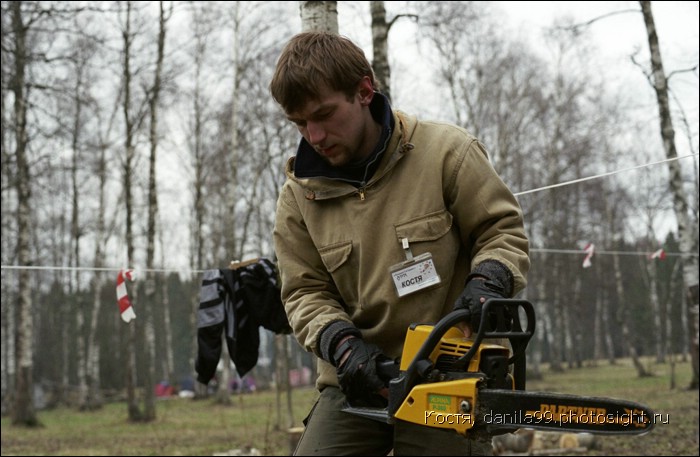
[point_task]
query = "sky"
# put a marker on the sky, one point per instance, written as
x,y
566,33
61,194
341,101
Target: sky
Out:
x,y
620,36
617,37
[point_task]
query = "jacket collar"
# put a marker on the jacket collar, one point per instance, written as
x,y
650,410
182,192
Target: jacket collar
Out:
x,y
308,164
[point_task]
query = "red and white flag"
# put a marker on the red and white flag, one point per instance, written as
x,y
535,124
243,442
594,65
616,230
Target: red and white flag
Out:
x,y
589,254
125,308
659,254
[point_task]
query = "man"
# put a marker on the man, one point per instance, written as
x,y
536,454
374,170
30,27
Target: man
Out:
x,y
384,221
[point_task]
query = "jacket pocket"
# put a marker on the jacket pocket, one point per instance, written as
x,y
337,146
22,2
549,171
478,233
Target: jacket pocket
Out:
x,y
429,227
433,233
341,266
335,255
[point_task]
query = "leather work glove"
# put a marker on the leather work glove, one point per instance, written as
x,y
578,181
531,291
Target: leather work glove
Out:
x,y
475,293
357,372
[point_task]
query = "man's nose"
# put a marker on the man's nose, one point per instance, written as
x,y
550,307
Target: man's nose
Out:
x,y
316,133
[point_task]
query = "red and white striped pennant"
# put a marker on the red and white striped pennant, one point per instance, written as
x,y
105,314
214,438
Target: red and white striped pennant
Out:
x,y
658,254
125,308
590,247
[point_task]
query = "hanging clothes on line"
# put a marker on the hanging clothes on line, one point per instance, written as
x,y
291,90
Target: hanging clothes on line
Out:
x,y
237,301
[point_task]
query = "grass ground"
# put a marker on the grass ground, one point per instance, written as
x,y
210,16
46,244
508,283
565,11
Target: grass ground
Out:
x,y
676,429
201,427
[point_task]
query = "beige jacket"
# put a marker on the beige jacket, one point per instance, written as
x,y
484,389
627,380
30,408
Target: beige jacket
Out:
x,y
335,244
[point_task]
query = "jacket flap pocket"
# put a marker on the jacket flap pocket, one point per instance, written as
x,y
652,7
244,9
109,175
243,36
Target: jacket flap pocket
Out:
x,y
335,255
425,228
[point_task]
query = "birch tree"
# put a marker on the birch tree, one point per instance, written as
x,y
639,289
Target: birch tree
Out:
x,y
150,293
85,49
687,229
319,16
202,25
232,184
23,411
132,120
7,319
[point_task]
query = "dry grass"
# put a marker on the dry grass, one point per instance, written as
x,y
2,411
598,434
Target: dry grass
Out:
x,y
188,427
676,430
182,427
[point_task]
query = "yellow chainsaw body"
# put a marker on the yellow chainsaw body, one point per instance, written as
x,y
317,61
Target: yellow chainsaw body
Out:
x,y
446,381
444,404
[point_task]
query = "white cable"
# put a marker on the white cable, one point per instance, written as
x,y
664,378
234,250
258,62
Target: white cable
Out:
x,y
151,270
186,270
581,252
602,175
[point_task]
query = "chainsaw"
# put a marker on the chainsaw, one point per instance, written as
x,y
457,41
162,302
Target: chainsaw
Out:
x,y
446,381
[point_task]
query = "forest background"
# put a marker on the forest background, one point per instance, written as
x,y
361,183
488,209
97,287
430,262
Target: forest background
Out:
x,y
149,141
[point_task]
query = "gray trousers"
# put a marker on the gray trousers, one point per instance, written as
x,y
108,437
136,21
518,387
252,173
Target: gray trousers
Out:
x,y
330,431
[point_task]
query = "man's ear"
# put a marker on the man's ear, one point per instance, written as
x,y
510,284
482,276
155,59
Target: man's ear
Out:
x,y
365,91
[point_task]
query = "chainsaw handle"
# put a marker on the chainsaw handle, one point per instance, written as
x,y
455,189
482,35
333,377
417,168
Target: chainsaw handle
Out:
x,y
507,326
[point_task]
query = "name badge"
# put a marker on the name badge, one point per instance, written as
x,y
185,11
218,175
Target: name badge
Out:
x,y
415,274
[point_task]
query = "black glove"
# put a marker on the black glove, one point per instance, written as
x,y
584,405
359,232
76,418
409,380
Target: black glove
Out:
x,y
357,374
478,287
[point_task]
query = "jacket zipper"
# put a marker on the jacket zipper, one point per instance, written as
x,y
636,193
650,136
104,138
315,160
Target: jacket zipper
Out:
x,y
361,192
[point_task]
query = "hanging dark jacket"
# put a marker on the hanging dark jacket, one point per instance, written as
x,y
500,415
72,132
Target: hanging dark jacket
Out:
x,y
237,302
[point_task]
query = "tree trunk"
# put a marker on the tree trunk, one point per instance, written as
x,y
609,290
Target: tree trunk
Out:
x,y
23,412
150,298
168,367
198,184
319,16
622,319
686,228
7,347
132,405
232,182
287,384
598,341
380,37
223,395
557,326
573,321
94,397
668,324
543,326
75,235
278,382
658,331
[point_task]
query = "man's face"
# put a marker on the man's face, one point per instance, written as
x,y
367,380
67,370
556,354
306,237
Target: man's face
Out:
x,y
338,128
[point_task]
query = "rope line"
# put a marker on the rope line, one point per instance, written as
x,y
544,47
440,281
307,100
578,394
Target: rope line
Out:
x,y
145,270
191,270
602,175
579,252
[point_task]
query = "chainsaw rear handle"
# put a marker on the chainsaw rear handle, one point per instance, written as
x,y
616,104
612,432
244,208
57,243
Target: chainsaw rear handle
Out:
x,y
507,326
